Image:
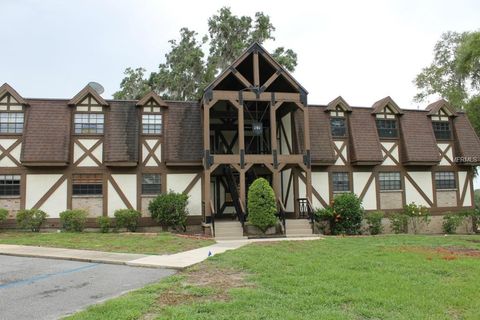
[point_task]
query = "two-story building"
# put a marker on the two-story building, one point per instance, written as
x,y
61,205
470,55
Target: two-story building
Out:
x,y
253,121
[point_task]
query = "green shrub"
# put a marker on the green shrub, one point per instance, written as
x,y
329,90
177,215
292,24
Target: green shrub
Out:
x,y
399,223
73,220
127,218
31,219
374,221
451,221
3,214
348,214
323,217
261,205
418,216
344,215
104,224
170,209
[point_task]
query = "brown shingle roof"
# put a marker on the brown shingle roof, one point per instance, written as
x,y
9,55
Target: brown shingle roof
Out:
x,y
365,145
418,143
320,136
184,135
121,133
46,137
467,143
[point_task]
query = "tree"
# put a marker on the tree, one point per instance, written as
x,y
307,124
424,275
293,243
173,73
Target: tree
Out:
x,y
454,73
133,86
193,62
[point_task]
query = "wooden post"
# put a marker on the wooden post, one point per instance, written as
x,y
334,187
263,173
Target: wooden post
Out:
x,y
256,70
206,192
243,197
308,183
306,131
276,183
273,127
206,127
295,192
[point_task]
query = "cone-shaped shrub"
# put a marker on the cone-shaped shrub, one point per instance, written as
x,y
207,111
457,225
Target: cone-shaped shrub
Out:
x,y
261,205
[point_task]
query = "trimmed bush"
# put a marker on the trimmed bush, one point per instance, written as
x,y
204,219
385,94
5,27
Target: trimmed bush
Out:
x,y
261,205
127,218
170,210
104,224
399,223
374,221
418,216
451,221
73,220
3,214
31,219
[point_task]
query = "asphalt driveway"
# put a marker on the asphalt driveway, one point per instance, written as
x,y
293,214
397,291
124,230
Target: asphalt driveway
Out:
x,y
35,288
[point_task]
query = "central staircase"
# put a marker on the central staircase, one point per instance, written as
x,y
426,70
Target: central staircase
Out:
x,y
298,228
228,230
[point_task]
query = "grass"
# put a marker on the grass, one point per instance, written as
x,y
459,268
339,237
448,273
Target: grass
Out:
x,y
161,243
384,277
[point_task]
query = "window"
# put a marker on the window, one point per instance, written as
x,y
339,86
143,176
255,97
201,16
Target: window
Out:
x,y
151,183
11,122
337,125
340,182
9,185
89,123
387,128
87,184
442,130
445,180
152,123
390,181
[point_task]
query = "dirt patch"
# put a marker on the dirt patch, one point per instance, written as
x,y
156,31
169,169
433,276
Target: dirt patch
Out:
x,y
204,283
445,253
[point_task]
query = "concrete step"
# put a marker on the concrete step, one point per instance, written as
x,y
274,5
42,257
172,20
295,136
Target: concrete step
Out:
x,y
299,230
302,235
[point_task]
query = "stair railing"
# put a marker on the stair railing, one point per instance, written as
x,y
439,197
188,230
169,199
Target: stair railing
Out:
x,y
306,211
281,214
212,213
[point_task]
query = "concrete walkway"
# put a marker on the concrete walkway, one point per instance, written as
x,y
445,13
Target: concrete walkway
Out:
x,y
179,260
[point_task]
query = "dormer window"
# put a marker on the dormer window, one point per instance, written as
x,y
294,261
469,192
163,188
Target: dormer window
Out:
x,y
440,112
338,108
11,115
152,113
441,125
89,117
387,124
386,112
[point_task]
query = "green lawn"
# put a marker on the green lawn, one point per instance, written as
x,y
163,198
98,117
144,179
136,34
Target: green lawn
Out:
x,y
161,243
386,277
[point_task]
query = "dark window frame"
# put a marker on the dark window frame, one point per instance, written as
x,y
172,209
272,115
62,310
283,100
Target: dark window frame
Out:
x,y
388,181
340,185
149,128
155,185
338,131
96,125
442,130
10,185
93,186
445,180
11,127
385,129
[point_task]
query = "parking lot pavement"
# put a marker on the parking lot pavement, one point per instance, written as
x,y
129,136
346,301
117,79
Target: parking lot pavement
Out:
x,y
35,288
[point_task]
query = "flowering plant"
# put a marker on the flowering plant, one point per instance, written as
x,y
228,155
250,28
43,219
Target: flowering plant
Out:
x,y
418,216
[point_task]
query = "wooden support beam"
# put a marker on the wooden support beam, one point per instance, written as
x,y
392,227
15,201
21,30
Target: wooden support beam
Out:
x,y
241,128
306,129
271,79
206,192
206,129
247,95
242,79
243,197
273,128
256,70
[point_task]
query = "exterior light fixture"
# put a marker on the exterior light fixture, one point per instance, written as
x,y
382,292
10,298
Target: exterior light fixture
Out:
x,y
257,128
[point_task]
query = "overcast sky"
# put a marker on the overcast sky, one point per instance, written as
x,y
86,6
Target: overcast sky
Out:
x,y
362,50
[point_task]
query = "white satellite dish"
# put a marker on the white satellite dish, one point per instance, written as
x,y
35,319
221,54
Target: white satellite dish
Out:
x,y
97,87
